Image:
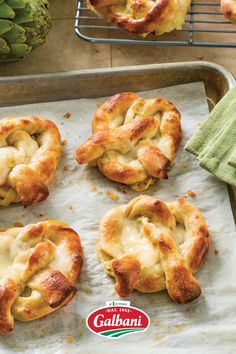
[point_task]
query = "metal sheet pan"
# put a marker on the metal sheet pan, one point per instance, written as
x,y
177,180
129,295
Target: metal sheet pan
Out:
x,y
15,90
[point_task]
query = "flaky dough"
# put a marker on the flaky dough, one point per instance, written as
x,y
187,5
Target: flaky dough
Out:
x,y
39,266
30,149
135,140
143,16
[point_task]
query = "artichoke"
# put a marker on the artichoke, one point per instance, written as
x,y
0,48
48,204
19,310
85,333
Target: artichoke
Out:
x,y
24,25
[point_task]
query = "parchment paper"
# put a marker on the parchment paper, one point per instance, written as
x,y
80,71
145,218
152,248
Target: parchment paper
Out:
x,y
208,325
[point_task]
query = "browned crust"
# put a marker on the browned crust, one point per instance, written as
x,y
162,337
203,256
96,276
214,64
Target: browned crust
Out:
x,y
148,23
41,254
28,185
56,288
121,173
71,241
200,249
127,272
154,161
119,139
8,291
34,231
181,285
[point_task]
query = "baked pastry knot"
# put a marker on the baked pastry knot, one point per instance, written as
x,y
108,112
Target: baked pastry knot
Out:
x,y
228,7
150,245
135,140
30,149
143,16
39,266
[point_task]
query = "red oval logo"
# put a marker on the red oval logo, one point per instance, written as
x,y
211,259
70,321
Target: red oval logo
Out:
x,y
117,321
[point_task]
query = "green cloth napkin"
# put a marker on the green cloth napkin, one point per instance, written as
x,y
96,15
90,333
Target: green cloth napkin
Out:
x,y
214,143
232,160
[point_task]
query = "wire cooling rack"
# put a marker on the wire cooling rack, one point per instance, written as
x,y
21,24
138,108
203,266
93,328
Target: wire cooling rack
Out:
x,y
205,26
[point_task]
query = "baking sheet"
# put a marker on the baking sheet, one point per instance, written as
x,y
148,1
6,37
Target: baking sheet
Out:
x,y
79,197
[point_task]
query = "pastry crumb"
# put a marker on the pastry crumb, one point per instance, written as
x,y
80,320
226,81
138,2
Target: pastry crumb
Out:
x,y
191,193
88,291
64,142
71,207
18,224
122,189
159,338
65,168
179,327
94,189
112,195
216,252
67,115
98,105
41,214
69,339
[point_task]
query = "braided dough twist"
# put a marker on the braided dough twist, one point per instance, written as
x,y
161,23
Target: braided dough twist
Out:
x,y
143,16
40,264
134,141
150,245
30,149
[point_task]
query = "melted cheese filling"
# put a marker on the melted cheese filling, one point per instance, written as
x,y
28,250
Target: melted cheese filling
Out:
x,y
5,258
5,264
18,148
163,144
180,234
133,241
14,255
61,260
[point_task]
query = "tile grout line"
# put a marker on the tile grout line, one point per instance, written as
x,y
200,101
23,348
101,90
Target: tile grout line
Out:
x,y
111,55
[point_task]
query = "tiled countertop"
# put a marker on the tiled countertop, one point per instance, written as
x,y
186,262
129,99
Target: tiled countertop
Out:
x,y
64,51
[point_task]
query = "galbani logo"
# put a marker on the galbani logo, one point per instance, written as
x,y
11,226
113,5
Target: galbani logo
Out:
x,y
117,319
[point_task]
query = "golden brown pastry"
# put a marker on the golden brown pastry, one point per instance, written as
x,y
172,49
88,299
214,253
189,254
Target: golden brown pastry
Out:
x,y
228,7
39,267
30,149
135,140
150,245
143,16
